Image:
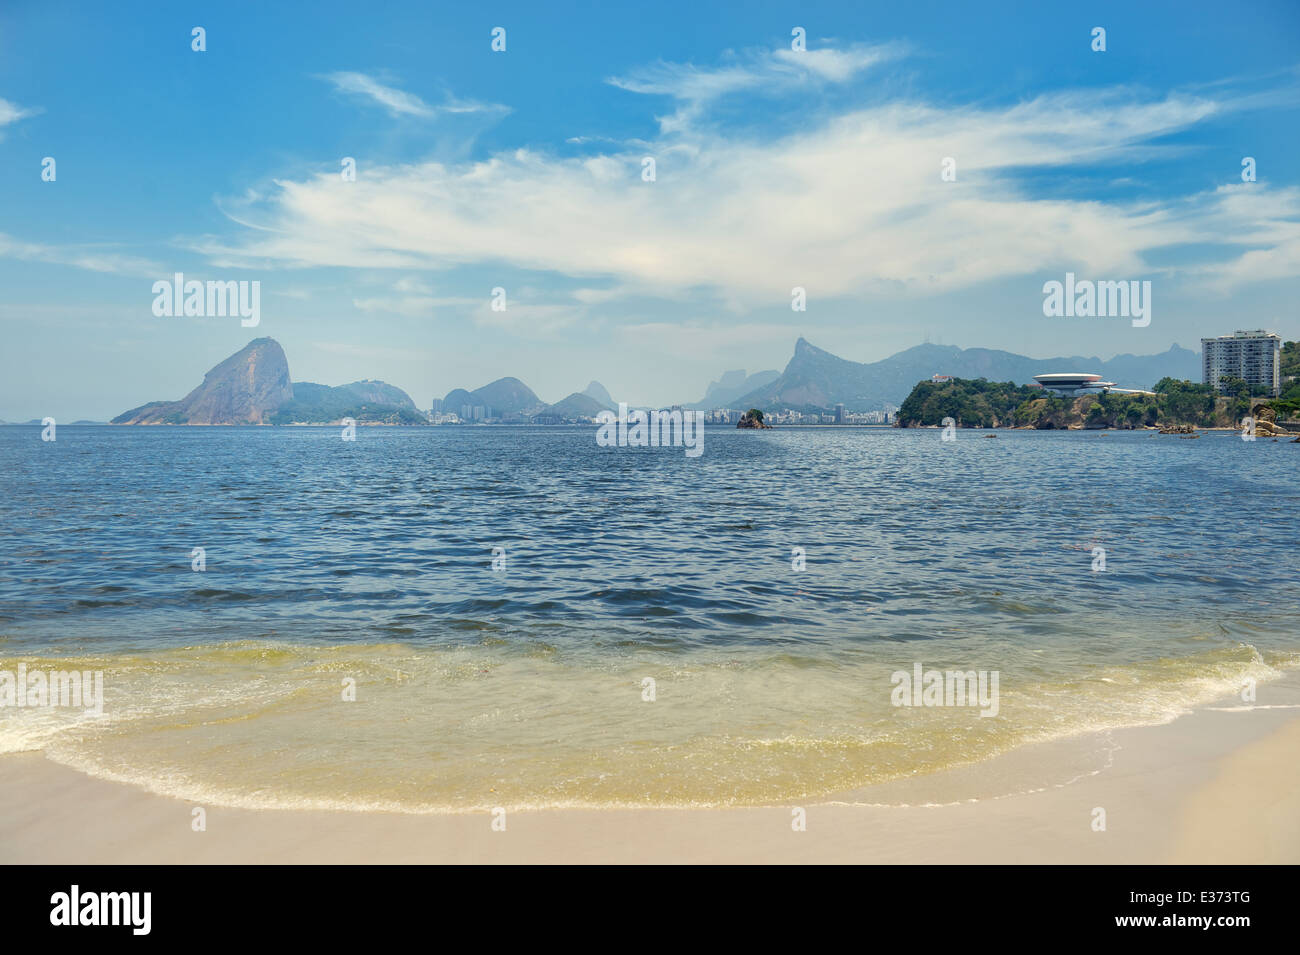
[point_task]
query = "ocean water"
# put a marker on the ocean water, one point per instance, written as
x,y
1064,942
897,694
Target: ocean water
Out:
x,y
372,562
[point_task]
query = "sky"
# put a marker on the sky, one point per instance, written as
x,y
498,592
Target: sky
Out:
x,y
524,170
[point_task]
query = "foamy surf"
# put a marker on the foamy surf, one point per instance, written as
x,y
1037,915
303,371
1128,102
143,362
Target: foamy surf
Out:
x,y
267,725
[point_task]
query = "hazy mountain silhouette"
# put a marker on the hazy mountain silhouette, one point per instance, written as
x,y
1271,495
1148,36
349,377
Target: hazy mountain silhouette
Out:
x,y
724,392
252,386
816,379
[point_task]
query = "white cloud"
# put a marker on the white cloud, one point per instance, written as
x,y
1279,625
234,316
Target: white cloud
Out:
x,y
597,296
837,66
1266,223
89,258
12,112
844,206
399,102
696,87
410,284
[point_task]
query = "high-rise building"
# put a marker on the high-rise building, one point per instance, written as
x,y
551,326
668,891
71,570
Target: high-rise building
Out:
x,y
839,413
1254,356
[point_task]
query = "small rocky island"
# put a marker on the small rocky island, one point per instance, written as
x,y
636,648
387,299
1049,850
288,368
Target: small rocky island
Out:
x,y
753,418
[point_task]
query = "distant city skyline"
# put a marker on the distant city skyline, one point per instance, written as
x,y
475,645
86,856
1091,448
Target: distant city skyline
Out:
x,y
918,175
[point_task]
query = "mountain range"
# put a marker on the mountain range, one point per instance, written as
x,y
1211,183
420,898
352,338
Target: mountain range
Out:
x,y
253,386
817,380
732,385
508,397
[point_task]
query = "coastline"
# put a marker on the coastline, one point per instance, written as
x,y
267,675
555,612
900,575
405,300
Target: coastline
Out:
x,y
1218,785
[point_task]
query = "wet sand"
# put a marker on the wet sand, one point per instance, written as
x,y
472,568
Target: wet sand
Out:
x,y
1220,785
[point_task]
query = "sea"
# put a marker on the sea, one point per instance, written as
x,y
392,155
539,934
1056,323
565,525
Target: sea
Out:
x,y
451,619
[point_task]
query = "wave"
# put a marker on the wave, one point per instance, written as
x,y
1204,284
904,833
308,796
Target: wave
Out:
x,y
260,724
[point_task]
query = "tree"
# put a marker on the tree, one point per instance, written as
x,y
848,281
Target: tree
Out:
x,y
1233,387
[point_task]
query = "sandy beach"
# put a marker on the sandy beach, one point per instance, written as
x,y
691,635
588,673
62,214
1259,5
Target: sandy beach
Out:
x,y
1219,785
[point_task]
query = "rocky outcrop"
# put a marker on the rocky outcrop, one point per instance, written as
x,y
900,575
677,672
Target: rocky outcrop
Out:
x,y
243,389
252,386
1266,425
752,419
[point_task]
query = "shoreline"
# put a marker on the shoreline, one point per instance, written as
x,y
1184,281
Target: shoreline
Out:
x,y
1218,785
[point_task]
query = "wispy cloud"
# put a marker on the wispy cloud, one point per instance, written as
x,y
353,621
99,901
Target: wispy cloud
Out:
x,y
11,113
82,257
414,306
769,71
1265,223
399,102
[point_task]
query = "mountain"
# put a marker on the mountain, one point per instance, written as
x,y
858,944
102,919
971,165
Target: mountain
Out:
x,y
243,389
456,399
508,396
504,396
252,386
577,405
597,391
732,385
360,401
816,380
378,393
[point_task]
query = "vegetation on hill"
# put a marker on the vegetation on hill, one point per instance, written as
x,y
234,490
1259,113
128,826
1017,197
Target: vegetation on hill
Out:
x,y
335,407
972,403
323,404
1288,404
986,404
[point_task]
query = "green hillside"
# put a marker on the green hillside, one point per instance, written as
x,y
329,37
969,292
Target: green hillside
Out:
x,y
986,404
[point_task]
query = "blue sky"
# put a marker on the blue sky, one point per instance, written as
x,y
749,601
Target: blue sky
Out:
x,y
522,170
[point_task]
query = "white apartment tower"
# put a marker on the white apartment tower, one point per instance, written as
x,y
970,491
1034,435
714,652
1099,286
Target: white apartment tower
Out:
x,y
1255,356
